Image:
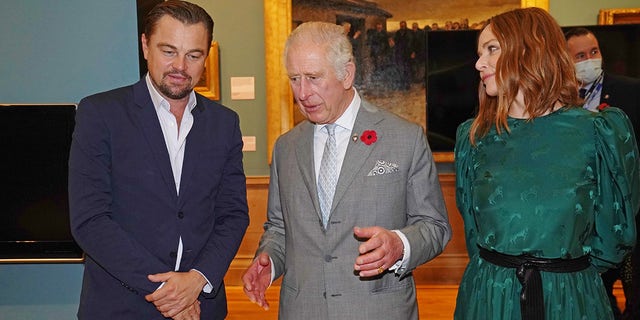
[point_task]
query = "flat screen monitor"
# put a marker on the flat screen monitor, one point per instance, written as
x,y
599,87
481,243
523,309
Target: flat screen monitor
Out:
x,y
452,84
452,81
34,210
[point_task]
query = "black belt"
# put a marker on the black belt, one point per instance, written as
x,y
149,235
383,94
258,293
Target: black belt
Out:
x,y
528,272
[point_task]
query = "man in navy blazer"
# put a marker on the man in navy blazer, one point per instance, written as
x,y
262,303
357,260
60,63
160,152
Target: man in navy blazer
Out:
x,y
156,185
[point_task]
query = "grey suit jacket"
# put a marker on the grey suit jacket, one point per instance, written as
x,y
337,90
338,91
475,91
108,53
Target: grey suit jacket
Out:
x,y
319,281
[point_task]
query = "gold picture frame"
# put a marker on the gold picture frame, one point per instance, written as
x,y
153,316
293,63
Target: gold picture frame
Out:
x,y
209,84
279,100
619,16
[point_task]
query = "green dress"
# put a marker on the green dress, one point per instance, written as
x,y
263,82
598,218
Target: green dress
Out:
x,y
559,186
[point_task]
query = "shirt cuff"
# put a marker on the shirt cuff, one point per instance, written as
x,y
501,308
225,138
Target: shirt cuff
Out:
x,y
401,265
273,271
207,287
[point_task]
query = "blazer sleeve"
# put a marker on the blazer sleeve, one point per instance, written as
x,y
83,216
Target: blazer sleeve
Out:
x,y
428,229
90,201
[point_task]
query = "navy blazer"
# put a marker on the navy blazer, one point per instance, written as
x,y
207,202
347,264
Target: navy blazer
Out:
x,y
624,93
126,213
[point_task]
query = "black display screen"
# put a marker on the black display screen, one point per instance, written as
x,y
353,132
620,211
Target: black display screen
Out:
x,y
452,80
35,142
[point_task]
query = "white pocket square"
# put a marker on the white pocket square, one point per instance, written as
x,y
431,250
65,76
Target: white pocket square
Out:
x,y
383,167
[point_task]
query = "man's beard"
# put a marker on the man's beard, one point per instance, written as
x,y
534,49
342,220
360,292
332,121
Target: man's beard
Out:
x,y
173,92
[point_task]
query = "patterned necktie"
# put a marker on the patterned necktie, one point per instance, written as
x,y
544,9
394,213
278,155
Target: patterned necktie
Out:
x,y
328,175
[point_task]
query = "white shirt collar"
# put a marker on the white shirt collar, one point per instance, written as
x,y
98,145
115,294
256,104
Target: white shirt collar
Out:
x,y
348,117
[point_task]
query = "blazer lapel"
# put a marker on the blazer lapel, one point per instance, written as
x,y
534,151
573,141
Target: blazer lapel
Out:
x,y
148,119
304,156
195,140
357,151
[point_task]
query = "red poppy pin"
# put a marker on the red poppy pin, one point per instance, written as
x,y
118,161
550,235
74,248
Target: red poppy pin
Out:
x,y
369,137
602,106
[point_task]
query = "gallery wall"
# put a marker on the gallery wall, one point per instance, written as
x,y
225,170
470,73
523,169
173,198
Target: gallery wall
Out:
x,y
61,51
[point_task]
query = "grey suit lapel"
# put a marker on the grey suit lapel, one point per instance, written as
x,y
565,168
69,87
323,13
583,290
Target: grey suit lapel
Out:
x,y
357,152
304,156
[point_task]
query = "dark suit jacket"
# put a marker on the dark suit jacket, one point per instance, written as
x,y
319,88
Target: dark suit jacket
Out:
x,y
624,93
126,213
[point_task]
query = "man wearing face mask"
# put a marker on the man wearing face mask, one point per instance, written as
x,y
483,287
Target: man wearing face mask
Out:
x,y
597,86
600,89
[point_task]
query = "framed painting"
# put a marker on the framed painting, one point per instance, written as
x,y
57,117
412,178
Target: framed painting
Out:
x,y
209,84
619,16
281,16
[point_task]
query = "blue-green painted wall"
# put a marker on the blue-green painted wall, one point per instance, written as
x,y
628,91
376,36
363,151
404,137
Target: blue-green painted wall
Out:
x,y
63,50
60,51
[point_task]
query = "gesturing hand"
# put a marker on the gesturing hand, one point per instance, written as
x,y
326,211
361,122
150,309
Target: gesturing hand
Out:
x,y
379,252
256,280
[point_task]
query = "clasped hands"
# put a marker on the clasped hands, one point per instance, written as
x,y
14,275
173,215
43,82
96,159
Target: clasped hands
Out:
x,y
178,297
381,250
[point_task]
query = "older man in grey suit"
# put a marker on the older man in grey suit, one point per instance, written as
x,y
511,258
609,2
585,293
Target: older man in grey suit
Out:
x,y
345,249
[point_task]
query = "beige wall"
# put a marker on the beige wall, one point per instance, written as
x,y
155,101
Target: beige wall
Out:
x,y
584,12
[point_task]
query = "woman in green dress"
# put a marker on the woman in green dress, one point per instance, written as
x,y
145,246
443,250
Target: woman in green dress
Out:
x,y
548,191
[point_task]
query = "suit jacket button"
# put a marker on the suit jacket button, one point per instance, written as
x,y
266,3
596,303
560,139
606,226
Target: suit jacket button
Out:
x,y
173,254
180,215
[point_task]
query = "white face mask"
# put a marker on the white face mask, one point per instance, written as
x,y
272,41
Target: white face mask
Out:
x,y
588,71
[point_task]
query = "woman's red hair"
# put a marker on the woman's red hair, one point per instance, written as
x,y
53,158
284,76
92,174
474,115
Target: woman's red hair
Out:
x,y
534,60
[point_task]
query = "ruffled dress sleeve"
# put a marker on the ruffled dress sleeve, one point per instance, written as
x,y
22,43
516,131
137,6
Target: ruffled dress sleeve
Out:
x,y
618,185
464,171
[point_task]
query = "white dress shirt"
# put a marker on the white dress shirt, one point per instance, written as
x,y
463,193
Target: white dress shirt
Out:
x,y
175,138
